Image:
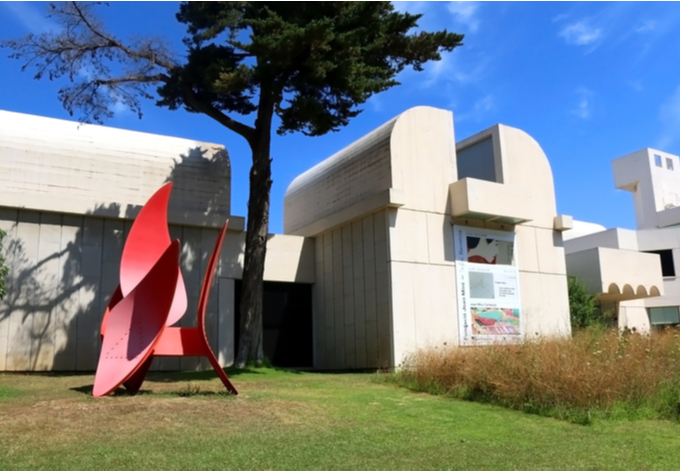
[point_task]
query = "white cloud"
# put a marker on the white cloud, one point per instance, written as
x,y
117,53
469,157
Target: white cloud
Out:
x,y
32,16
583,107
636,85
484,104
479,109
465,13
410,7
451,69
427,22
583,110
646,26
580,33
376,103
120,108
669,115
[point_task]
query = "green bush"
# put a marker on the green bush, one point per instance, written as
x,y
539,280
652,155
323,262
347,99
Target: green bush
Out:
x,y
583,309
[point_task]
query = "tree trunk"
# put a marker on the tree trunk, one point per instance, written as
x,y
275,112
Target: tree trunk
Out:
x,y
250,337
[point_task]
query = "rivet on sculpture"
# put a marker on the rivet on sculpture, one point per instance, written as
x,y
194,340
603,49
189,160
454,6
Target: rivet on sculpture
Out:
x,y
150,298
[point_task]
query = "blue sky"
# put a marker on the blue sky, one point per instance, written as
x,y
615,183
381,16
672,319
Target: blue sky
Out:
x,y
589,81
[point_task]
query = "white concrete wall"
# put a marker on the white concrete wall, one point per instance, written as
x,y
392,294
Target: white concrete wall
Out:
x,y
376,275
421,255
655,189
616,238
408,190
580,229
617,274
68,193
64,268
352,322
540,252
66,167
659,239
539,256
357,174
628,269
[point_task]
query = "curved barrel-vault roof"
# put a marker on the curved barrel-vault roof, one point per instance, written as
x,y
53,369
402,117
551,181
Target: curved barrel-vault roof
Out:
x,y
63,166
519,187
408,161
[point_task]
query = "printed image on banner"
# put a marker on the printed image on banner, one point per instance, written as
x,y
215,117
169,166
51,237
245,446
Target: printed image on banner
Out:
x,y
489,304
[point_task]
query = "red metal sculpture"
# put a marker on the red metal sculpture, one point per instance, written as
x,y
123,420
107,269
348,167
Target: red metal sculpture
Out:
x,y
150,298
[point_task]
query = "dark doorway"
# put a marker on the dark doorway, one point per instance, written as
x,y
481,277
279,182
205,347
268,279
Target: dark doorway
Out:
x,y
286,323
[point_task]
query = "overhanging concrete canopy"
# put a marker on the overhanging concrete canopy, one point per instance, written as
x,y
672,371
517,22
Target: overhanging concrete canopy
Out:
x,y
616,274
489,201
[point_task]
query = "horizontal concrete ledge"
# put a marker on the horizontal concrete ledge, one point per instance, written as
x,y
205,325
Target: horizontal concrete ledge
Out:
x,y
489,201
563,223
668,217
236,223
617,274
180,218
390,198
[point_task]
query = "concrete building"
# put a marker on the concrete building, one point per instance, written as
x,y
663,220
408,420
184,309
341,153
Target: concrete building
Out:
x,y
404,239
646,291
68,195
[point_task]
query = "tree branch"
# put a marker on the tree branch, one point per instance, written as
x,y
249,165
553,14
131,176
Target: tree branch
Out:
x,y
137,78
111,42
201,106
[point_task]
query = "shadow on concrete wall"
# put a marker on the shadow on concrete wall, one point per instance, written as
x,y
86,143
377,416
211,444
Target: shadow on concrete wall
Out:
x,y
50,311
64,268
213,195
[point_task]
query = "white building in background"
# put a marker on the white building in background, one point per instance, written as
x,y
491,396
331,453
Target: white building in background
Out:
x,y
396,218
404,239
653,177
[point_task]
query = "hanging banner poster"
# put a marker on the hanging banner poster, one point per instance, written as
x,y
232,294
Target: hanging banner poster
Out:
x,y
489,303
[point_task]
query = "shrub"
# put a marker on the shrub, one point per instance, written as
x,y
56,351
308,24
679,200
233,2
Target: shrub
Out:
x,y
597,372
583,309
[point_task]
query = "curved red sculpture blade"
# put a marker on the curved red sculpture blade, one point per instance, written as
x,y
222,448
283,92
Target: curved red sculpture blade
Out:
x,y
203,302
135,324
148,239
192,341
137,320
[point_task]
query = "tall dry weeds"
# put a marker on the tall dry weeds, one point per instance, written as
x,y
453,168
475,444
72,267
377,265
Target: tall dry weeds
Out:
x,y
596,370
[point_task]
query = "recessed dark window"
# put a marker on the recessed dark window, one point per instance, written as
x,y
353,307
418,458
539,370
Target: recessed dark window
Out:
x,y
667,265
663,316
286,323
478,161
669,163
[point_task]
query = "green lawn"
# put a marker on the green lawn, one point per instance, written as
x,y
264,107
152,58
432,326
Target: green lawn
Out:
x,y
284,420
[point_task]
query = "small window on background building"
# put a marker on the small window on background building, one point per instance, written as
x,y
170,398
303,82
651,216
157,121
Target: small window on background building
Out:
x,y
669,163
666,258
657,160
663,316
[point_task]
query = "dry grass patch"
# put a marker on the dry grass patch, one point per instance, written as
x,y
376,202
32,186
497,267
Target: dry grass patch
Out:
x,y
595,372
66,415
283,420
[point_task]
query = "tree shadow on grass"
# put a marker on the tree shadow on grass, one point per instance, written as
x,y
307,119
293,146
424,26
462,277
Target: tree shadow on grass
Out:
x,y
186,390
165,377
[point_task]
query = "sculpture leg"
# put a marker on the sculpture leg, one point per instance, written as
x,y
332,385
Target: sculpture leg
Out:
x,y
220,372
134,382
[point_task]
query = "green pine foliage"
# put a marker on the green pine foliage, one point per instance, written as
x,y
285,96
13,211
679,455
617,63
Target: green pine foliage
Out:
x,y
254,67
312,63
